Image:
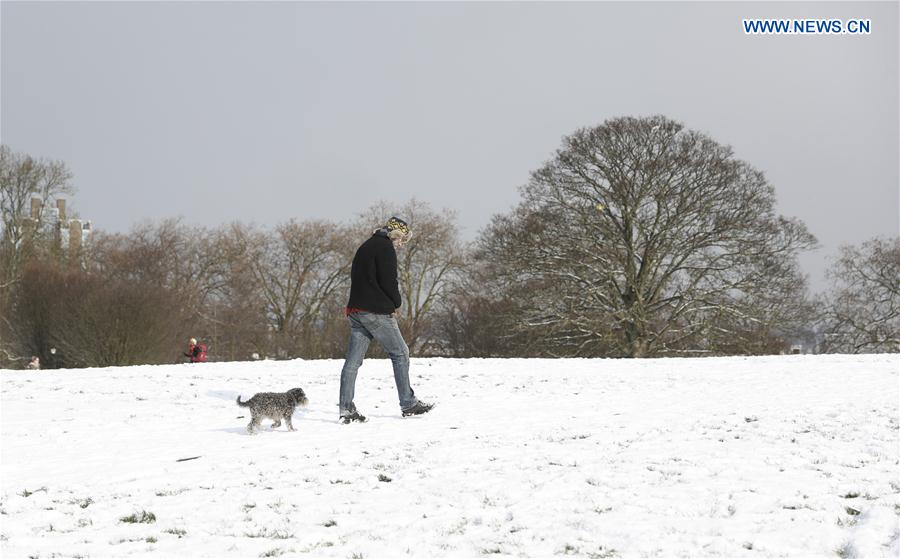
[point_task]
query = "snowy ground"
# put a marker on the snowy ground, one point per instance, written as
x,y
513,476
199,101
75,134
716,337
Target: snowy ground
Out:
x,y
781,456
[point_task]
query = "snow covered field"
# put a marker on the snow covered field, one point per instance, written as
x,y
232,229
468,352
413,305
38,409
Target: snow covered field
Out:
x,y
778,456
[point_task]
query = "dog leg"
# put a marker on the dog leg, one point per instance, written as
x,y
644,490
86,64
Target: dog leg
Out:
x,y
276,424
287,419
253,425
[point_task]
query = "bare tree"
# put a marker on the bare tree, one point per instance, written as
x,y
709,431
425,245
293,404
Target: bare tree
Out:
x,y
92,320
428,266
299,270
479,322
641,237
240,307
862,309
186,261
23,178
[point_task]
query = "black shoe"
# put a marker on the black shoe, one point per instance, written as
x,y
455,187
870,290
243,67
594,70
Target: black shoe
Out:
x,y
418,409
352,416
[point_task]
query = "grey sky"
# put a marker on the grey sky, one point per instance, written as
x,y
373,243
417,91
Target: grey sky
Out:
x,y
262,112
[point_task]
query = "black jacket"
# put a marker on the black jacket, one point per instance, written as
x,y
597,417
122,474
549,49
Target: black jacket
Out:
x,y
373,276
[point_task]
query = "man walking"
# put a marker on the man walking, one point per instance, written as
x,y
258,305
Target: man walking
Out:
x,y
374,296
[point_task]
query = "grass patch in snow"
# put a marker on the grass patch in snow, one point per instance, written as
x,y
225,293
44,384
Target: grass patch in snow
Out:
x,y
273,552
26,493
459,528
384,478
329,523
83,503
270,534
176,531
143,518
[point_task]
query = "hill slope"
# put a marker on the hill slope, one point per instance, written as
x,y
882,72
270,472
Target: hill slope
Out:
x,y
789,456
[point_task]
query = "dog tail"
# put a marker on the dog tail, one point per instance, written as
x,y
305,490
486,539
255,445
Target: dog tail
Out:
x,y
242,404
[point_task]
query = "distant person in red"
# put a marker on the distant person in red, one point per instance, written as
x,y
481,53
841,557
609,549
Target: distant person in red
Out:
x,y
196,352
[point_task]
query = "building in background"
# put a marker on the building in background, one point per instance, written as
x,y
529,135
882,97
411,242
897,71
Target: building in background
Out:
x,y
68,235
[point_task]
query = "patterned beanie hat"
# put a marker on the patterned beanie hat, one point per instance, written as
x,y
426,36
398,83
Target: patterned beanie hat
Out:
x,y
397,224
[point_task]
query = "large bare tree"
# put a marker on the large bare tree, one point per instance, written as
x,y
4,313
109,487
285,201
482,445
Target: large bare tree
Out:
x,y
641,237
862,309
299,270
23,178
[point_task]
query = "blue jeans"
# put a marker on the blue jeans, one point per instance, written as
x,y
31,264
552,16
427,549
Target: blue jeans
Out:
x,y
364,327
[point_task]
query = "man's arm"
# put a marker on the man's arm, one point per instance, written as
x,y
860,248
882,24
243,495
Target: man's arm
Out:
x,y
386,266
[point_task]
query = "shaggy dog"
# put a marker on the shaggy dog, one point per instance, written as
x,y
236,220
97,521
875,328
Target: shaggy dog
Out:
x,y
274,405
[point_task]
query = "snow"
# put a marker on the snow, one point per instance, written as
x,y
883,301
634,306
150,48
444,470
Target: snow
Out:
x,y
793,456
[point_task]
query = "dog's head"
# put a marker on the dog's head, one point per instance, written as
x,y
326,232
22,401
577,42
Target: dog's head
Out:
x,y
297,396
